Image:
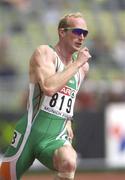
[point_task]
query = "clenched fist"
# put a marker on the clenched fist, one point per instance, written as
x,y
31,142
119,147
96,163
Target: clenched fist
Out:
x,y
83,56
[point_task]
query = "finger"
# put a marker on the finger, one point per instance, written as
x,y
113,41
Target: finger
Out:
x,y
85,48
86,52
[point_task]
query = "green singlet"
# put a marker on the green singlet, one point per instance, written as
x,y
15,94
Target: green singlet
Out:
x,y
42,130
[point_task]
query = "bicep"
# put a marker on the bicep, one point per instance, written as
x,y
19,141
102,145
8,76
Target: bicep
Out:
x,y
43,64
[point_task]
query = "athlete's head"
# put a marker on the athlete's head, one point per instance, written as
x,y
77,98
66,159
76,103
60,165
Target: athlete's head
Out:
x,y
72,29
65,20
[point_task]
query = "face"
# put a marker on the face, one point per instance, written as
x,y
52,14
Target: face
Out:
x,y
75,34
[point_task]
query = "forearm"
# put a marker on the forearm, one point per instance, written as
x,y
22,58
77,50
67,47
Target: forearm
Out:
x,y
58,80
69,129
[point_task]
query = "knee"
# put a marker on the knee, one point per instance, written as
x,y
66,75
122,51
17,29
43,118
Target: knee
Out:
x,y
68,165
67,169
65,162
65,159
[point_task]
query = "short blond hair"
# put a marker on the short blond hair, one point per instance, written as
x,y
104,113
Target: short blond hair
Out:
x,y
64,21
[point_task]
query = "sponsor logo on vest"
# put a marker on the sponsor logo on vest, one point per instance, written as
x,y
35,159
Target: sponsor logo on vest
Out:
x,y
68,91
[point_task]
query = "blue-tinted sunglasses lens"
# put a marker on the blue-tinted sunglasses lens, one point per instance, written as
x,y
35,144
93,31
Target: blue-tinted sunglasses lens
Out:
x,y
80,31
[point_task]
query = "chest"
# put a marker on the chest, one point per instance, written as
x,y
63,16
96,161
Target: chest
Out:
x,y
74,82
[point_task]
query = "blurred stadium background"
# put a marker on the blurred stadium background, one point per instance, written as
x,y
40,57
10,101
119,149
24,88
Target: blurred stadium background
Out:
x,y
100,108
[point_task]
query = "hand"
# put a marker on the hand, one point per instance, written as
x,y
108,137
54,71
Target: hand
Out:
x,y
83,56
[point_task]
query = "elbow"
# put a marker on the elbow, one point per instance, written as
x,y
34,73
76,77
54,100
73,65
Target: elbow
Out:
x,y
49,91
48,88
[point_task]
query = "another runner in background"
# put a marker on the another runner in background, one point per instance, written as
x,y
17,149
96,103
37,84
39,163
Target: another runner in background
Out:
x,y
45,132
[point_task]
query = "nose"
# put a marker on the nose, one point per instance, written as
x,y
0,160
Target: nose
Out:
x,y
81,36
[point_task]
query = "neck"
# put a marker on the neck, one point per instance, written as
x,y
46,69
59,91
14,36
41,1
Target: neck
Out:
x,y
64,55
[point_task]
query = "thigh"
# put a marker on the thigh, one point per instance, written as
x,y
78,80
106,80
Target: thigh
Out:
x,y
13,167
49,144
46,154
56,152
19,155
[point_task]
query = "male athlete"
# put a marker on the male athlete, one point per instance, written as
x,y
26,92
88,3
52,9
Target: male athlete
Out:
x,y
45,131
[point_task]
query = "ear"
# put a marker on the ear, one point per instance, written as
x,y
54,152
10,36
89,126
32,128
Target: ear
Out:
x,y
61,32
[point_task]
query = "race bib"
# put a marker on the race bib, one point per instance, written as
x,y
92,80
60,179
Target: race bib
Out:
x,y
61,103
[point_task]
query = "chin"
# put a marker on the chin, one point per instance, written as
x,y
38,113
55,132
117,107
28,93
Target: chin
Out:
x,y
77,48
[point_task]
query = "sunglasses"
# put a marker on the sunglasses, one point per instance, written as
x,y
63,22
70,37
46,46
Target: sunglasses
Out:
x,y
77,31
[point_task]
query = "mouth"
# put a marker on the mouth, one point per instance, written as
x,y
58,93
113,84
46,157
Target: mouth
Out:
x,y
78,44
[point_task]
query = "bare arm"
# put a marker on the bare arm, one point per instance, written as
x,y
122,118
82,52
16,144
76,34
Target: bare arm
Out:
x,y
44,68
69,129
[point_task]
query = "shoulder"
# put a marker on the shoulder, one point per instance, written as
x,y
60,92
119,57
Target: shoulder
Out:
x,y
43,53
43,49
